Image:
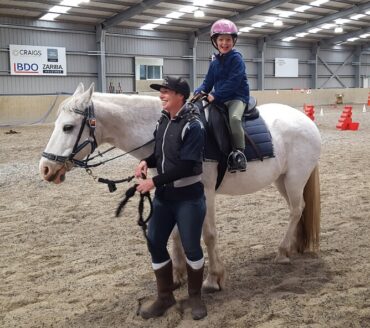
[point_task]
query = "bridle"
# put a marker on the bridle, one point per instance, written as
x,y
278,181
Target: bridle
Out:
x,y
89,120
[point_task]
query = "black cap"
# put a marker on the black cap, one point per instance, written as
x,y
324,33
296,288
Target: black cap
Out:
x,y
177,84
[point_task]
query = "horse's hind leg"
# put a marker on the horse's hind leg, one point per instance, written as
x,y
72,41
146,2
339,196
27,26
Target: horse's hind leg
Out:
x,y
178,259
291,187
215,280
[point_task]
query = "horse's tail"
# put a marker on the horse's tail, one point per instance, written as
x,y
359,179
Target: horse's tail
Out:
x,y
309,224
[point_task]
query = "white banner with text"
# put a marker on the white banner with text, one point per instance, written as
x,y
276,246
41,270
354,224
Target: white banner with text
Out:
x,y
35,60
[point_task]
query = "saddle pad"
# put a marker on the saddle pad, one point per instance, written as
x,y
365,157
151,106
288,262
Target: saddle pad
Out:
x,y
259,133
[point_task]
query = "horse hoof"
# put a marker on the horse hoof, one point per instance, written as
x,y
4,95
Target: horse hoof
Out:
x,y
176,285
210,289
280,259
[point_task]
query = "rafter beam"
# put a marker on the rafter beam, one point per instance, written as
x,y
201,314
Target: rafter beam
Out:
x,y
246,14
302,28
344,37
127,14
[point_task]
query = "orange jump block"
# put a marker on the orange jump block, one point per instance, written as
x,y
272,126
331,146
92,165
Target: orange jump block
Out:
x,y
345,120
309,110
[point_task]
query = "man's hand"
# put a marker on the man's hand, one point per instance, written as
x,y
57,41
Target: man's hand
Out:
x,y
145,185
141,170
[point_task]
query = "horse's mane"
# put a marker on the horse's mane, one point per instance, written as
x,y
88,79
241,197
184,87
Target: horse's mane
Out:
x,y
131,102
66,105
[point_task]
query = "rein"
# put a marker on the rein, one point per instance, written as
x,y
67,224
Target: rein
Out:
x,y
143,223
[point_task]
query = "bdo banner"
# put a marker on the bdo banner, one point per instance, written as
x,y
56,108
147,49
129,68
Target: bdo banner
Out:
x,y
34,60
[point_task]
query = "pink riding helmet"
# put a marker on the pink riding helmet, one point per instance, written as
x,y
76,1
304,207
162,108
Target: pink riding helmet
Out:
x,y
223,26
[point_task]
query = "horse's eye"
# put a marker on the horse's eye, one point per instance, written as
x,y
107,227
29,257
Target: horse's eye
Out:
x,y
67,128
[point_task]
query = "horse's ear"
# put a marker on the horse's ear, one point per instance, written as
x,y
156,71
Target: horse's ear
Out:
x,y
86,96
91,89
80,89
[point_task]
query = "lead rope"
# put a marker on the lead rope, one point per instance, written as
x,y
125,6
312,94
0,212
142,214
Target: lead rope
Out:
x,y
143,223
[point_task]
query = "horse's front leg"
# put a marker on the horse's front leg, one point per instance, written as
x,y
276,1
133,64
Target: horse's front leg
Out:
x,y
178,259
215,280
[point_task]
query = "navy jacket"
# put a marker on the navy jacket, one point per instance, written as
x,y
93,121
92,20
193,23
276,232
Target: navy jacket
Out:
x,y
227,76
178,155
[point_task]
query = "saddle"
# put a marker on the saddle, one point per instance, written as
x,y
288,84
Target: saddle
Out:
x,y
218,135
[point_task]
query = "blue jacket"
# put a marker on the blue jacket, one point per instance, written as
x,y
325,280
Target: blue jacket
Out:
x,y
227,76
178,155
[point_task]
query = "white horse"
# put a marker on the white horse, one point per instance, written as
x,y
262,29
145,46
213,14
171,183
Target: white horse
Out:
x,y
128,122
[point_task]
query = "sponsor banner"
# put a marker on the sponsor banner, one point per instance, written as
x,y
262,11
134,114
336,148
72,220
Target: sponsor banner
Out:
x,y
34,60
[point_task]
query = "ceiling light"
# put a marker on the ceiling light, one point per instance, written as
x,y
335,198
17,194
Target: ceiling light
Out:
x,y
149,26
290,38
364,36
358,16
199,13
271,19
162,20
202,3
72,3
188,9
278,23
286,14
338,29
318,2
175,15
327,26
49,16
301,35
59,9
301,9
352,39
368,12
341,21
314,30
246,29
259,24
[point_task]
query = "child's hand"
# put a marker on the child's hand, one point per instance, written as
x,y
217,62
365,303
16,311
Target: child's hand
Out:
x,y
210,98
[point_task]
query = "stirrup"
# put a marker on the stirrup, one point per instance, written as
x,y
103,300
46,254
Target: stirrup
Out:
x,y
236,161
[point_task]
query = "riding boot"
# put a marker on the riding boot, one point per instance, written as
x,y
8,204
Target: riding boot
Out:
x,y
237,161
165,298
195,280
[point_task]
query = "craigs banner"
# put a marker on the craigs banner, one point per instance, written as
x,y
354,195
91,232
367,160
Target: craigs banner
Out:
x,y
35,60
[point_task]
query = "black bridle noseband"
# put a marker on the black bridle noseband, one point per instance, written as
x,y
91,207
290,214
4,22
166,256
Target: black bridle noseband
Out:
x,y
89,120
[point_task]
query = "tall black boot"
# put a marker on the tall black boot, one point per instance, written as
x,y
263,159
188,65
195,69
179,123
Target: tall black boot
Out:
x,y
195,280
165,298
236,161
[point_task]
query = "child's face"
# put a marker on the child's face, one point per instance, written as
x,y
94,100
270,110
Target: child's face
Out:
x,y
225,43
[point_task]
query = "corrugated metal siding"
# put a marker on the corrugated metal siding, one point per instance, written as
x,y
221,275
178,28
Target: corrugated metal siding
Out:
x,y
80,65
178,67
145,46
120,65
123,45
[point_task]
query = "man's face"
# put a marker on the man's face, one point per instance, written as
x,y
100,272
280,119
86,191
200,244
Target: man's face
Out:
x,y
171,101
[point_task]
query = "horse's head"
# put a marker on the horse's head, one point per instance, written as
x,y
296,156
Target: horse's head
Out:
x,y
73,137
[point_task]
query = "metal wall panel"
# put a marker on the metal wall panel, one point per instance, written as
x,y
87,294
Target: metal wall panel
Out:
x,y
123,45
120,65
146,46
177,67
80,65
